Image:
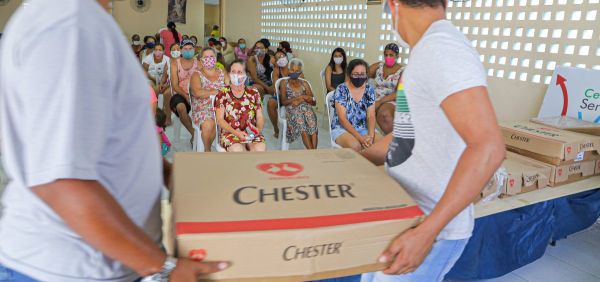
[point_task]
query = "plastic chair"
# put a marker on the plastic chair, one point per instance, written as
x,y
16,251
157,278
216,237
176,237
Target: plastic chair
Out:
x,y
281,119
330,104
324,86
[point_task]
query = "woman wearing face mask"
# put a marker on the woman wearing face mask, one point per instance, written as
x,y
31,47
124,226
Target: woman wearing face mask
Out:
x,y
155,67
281,70
297,96
136,44
260,67
287,49
353,123
239,113
227,51
148,49
335,73
165,84
170,36
241,52
386,75
206,82
181,72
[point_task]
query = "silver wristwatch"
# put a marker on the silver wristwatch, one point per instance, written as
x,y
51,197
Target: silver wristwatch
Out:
x,y
165,271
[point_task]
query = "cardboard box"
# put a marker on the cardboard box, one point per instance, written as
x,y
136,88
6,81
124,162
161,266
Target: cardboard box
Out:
x,y
525,174
287,216
550,145
568,172
570,124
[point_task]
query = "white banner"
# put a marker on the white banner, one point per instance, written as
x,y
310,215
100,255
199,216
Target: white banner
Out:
x,y
573,92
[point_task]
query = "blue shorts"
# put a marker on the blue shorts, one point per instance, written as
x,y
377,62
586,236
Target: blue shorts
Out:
x,y
337,132
7,274
437,264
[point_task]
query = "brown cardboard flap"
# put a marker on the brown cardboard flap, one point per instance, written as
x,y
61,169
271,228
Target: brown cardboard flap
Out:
x,y
525,174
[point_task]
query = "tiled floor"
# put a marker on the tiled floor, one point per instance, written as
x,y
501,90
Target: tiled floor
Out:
x,y
575,259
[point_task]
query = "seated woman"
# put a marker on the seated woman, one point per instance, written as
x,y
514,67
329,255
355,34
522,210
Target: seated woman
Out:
x,y
239,113
386,75
335,73
298,98
156,68
227,51
206,82
287,49
260,66
281,70
353,124
241,52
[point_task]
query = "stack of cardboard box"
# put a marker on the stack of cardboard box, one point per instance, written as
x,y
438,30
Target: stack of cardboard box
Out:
x,y
571,156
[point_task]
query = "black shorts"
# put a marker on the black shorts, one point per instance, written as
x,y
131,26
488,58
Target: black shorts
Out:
x,y
178,99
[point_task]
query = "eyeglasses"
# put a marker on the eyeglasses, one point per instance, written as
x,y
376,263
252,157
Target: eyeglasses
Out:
x,y
359,75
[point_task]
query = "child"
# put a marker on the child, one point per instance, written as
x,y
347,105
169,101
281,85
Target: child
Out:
x,y
160,128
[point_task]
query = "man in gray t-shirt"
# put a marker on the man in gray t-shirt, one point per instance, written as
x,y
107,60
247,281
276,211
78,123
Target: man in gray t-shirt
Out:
x,y
445,145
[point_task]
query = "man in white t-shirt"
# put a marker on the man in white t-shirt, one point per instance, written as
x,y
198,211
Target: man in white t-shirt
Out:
x,y
445,145
80,148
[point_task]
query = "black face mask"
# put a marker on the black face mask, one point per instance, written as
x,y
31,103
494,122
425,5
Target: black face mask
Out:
x,y
358,81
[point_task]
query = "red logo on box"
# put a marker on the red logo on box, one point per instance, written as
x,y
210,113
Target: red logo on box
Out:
x,y
281,169
197,254
569,150
559,171
511,182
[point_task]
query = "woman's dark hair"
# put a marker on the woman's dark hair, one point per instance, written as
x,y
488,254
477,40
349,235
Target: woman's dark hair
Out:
x,y
224,39
355,63
332,62
286,46
194,37
214,41
161,118
148,37
208,49
267,61
160,44
220,58
423,3
279,51
171,26
266,42
173,46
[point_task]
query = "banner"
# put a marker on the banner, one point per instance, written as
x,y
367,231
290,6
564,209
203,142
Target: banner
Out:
x,y
177,11
573,92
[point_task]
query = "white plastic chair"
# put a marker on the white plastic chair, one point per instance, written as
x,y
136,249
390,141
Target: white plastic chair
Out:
x,y
330,104
324,85
281,109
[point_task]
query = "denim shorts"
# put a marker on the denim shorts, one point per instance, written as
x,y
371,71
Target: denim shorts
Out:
x,y
437,264
337,132
7,274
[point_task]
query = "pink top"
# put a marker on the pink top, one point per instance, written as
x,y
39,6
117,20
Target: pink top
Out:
x,y
167,39
153,98
241,54
185,75
163,136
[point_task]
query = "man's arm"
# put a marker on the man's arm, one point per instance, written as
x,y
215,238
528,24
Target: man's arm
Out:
x,y
471,113
89,210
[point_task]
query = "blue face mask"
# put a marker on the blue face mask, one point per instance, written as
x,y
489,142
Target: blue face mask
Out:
x,y
150,45
295,75
242,45
187,54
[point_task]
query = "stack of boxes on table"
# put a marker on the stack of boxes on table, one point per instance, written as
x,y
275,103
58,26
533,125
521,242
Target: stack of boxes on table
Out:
x,y
548,152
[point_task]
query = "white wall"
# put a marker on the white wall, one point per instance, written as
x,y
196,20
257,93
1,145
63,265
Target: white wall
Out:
x,y
148,23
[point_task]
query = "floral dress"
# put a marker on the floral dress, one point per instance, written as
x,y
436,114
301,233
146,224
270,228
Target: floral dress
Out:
x,y
300,118
240,113
386,86
356,113
202,109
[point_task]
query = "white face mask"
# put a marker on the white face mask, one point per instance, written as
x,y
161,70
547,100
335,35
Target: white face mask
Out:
x,y
176,54
282,62
401,40
237,79
338,60
136,43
